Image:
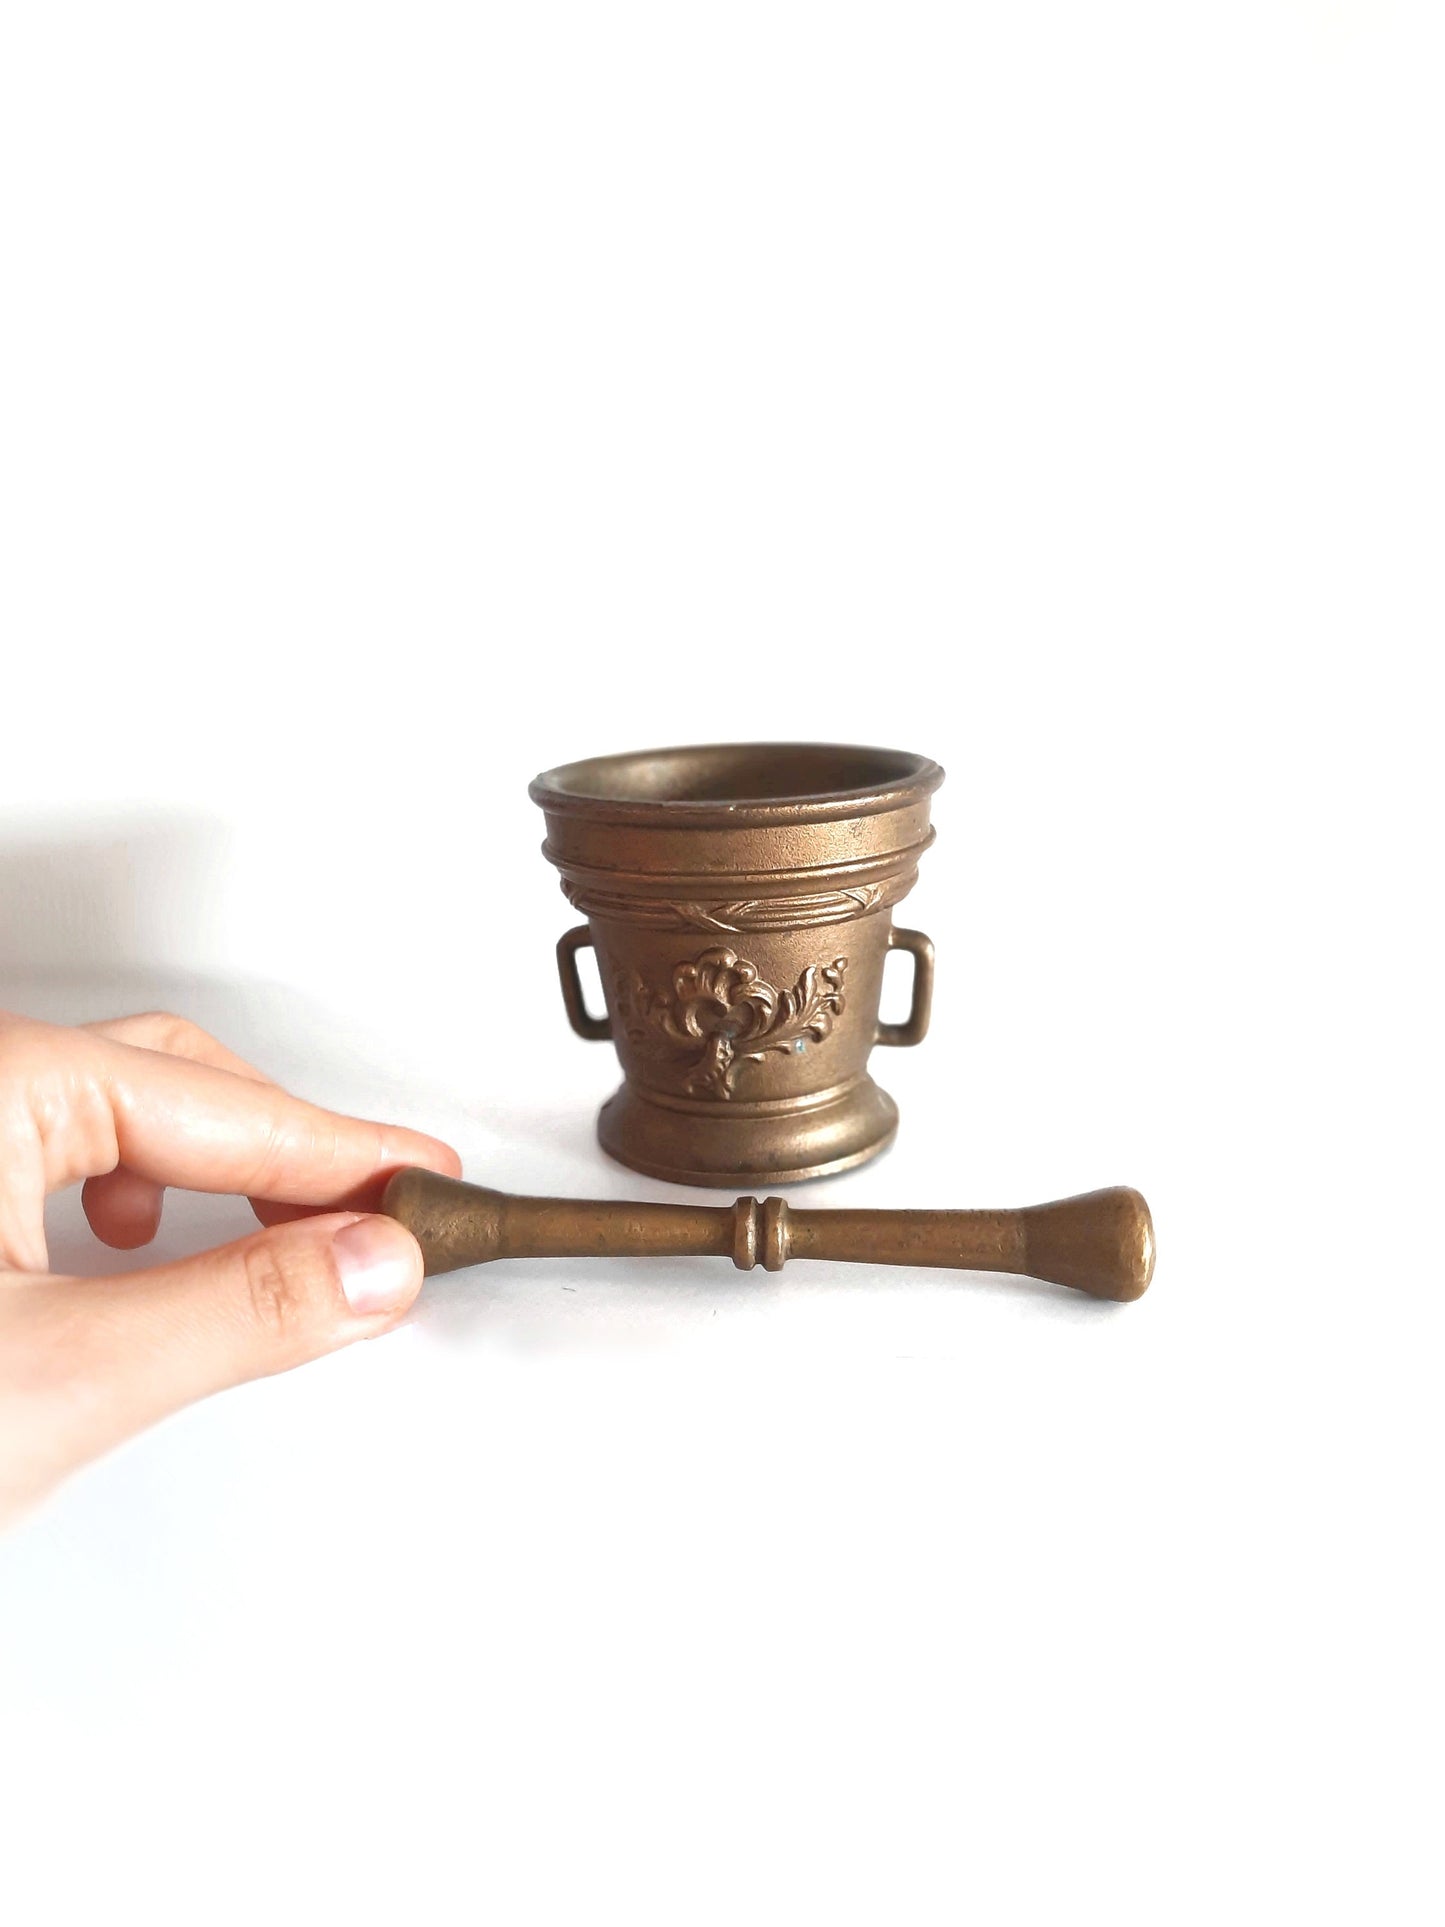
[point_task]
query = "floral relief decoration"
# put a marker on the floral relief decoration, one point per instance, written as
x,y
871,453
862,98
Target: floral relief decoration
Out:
x,y
720,1006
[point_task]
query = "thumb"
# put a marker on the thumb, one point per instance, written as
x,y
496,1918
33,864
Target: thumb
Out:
x,y
270,1301
128,1351
266,1303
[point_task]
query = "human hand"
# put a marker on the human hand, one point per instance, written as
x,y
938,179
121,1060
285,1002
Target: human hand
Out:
x,y
130,1107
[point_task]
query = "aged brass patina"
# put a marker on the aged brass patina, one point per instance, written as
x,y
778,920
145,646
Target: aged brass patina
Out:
x,y
739,899
1101,1243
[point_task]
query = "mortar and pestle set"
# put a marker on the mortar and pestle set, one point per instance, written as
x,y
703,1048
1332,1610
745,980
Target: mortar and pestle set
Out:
x,y
739,901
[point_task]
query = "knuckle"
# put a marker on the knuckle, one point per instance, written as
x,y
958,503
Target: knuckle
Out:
x,y
286,1287
299,1144
24,1046
272,1160
164,1030
49,1095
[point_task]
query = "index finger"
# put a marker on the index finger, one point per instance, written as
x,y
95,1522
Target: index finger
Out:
x,y
206,1129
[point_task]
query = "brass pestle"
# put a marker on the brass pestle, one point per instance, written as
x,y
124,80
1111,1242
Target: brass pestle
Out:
x,y
1101,1243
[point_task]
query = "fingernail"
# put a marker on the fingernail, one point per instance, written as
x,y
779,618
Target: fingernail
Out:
x,y
380,1265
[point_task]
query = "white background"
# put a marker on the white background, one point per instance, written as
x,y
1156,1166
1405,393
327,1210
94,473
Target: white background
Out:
x,y
397,400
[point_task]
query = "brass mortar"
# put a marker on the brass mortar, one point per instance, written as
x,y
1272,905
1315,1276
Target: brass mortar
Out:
x,y
739,899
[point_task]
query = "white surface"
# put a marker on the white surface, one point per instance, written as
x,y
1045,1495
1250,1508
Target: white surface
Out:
x,y
396,401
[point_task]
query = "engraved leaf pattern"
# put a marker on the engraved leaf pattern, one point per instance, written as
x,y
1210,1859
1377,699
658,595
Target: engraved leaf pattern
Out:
x,y
781,913
738,915
722,1002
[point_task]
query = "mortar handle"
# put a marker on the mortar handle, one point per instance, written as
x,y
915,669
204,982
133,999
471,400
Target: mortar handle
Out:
x,y
594,1029
914,1027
